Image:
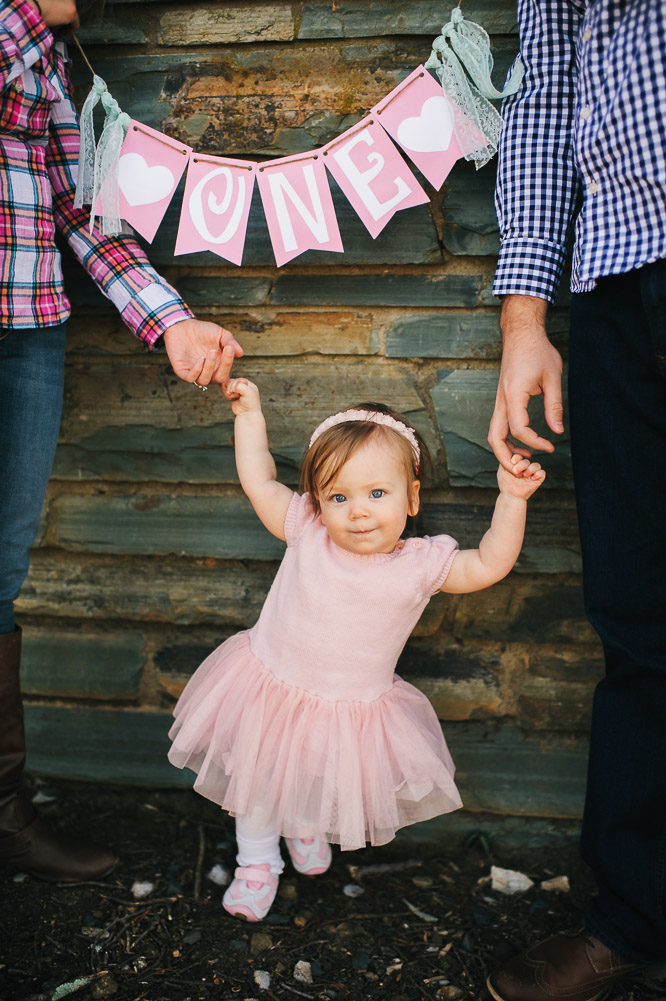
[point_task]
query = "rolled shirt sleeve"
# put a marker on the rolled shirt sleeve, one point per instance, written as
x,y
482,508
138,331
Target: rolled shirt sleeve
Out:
x,y
537,184
119,267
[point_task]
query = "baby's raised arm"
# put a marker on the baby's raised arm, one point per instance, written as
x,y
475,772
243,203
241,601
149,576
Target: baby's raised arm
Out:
x,y
474,569
255,464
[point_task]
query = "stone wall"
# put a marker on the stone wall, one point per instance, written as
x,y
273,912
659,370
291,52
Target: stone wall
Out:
x,y
149,554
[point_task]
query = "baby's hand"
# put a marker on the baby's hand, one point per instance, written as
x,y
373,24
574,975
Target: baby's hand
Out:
x,y
244,395
525,478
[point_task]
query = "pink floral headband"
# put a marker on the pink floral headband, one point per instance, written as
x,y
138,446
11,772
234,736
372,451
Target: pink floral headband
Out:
x,y
385,420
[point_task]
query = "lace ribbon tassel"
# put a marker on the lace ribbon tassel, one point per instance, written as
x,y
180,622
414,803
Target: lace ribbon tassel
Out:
x,y
462,60
86,170
105,197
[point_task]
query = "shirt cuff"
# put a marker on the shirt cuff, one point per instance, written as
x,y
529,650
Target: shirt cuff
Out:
x,y
30,32
152,311
529,267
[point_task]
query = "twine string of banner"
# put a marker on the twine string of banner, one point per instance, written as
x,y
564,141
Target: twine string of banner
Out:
x,y
347,135
294,159
396,93
171,143
87,61
199,158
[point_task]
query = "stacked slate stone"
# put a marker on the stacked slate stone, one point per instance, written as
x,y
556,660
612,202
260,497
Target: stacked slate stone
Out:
x,y
149,553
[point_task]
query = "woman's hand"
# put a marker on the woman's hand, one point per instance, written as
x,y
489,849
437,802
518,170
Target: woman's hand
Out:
x,y
200,351
57,13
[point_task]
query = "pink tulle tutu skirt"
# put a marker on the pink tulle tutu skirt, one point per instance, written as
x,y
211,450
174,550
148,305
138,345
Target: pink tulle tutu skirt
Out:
x,y
352,772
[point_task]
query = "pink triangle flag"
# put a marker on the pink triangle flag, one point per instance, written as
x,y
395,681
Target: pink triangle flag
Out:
x,y
420,118
372,174
298,206
149,169
216,206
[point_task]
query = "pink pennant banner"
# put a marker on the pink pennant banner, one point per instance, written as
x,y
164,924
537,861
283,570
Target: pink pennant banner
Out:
x,y
216,206
149,169
298,206
418,116
372,174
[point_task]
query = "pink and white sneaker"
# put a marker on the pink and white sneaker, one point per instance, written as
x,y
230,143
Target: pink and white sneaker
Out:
x,y
251,893
310,856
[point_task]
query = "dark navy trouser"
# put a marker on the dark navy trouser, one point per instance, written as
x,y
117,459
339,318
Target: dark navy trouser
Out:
x,y
31,389
617,395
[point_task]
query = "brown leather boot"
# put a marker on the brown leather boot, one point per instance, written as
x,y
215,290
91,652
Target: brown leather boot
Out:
x,y
575,966
26,841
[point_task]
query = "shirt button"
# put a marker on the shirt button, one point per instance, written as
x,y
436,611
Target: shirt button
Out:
x,y
18,86
585,113
417,544
587,35
593,188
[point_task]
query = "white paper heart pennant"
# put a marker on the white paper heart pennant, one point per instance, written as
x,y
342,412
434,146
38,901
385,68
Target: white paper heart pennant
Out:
x,y
431,131
141,184
149,168
422,120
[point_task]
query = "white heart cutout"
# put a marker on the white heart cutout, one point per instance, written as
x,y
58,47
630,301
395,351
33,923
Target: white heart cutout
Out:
x,y
431,131
141,184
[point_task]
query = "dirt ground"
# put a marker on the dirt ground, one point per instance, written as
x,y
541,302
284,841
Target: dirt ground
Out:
x,y
399,923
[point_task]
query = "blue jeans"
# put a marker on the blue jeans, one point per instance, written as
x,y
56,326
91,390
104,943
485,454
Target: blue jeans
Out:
x,y
31,384
617,387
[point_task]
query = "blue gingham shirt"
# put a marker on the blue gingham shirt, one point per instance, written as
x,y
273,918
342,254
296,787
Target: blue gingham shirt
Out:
x,y
584,140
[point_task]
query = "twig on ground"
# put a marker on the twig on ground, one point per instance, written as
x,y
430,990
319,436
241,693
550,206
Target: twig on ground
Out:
x,y
300,946
419,913
60,947
143,934
139,903
359,917
359,871
424,993
294,991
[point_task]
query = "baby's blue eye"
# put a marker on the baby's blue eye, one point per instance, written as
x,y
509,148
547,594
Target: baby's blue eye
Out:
x,y
376,494
338,498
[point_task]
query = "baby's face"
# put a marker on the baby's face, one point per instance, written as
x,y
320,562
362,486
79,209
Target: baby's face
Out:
x,y
365,508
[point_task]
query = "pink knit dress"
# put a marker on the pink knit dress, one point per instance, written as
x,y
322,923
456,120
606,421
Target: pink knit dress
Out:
x,y
303,716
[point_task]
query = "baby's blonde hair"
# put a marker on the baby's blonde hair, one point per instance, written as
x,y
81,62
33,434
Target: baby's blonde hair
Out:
x,y
333,448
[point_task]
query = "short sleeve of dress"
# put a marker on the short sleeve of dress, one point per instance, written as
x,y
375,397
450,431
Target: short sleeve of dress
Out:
x,y
299,516
438,553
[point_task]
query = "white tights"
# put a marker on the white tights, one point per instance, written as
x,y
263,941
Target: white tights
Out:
x,y
258,843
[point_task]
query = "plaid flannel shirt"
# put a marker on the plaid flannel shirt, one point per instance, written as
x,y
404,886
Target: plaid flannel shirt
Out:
x,y
585,137
39,148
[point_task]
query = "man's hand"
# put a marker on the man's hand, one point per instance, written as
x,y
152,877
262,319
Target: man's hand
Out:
x,y
201,352
531,366
57,13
